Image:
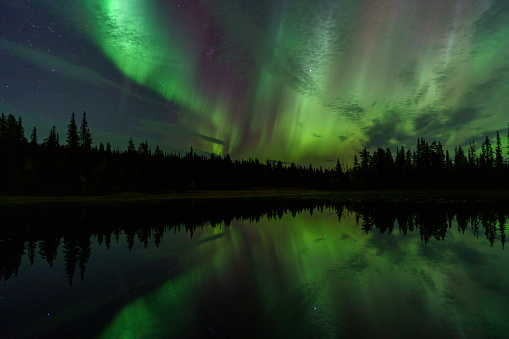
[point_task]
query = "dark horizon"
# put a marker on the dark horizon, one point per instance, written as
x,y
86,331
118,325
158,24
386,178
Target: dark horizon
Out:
x,y
51,167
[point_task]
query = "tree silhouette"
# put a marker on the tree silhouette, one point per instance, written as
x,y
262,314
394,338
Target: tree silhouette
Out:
x,y
85,136
472,158
365,160
143,149
73,139
460,160
486,159
356,165
71,252
499,159
52,141
130,146
48,249
50,169
33,137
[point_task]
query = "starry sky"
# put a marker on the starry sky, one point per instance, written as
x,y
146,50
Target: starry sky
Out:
x,y
297,81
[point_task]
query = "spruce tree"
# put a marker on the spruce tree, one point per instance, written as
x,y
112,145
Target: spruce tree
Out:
x,y
85,136
499,159
33,137
486,158
158,152
130,146
73,139
472,158
365,159
460,160
356,166
21,131
143,148
3,127
53,140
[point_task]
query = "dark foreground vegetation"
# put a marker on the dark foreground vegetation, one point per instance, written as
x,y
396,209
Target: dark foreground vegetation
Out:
x,y
45,230
76,167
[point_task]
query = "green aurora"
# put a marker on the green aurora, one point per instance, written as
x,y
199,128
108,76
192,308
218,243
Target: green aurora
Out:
x,y
309,274
306,81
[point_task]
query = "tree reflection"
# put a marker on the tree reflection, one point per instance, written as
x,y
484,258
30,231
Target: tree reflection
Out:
x,y
144,222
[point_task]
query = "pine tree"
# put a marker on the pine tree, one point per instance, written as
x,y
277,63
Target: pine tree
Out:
x,y
356,166
33,137
52,141
21,131
365,159
448,161
499,159
159,153
130,146
143,148
472,158
338,168
486,159
408,160
460,160
73,139
85,136
3,127
400,158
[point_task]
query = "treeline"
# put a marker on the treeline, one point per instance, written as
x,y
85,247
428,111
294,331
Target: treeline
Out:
x,y
429,166
76,166
43,232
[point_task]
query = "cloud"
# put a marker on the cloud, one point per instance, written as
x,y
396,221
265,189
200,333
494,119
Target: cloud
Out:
x,y
164,128
348,108
462,116
211,139
408,73
384,131
353,111
428,121
421,94
492,20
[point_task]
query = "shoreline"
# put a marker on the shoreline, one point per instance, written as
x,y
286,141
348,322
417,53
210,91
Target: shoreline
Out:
x,y
387,195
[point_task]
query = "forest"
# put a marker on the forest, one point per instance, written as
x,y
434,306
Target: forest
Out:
x,y
78,167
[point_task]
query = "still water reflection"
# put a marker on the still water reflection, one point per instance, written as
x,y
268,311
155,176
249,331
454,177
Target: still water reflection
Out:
x,y
272,268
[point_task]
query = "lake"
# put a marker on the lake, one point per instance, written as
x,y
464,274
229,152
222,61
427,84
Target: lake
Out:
x,y
314,267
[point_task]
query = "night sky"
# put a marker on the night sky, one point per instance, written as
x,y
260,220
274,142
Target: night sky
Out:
x,y
302,81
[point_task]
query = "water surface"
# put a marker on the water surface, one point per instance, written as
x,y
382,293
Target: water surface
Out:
x,y
293,268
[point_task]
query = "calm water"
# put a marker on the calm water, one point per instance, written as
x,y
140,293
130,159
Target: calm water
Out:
x,y
289,268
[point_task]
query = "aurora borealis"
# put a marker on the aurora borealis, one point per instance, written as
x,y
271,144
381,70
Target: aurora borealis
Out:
x,y
291,80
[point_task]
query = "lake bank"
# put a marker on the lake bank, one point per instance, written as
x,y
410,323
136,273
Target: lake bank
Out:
x,y
381,195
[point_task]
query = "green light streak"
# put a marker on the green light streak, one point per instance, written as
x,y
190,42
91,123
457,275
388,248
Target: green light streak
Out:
x,y
322,76
291,266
